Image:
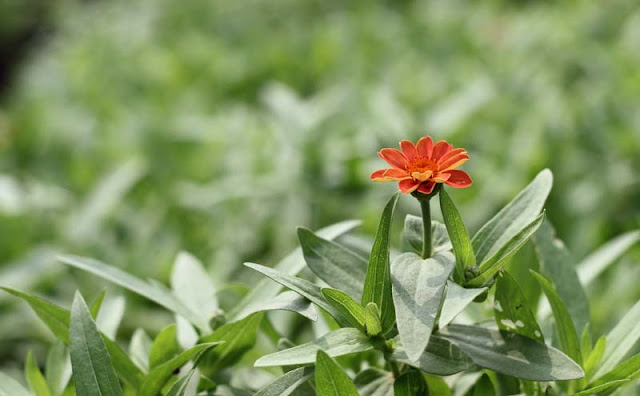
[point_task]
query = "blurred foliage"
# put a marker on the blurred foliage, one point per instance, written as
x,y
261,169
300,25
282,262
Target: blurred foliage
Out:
x,y
139,129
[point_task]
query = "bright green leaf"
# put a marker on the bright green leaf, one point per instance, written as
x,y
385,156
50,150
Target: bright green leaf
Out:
x,y
97,304
35,379
458,235
124,367
180,386
164,347
377,285
595,356
331,380
411,383
347,306
372,324
627,370
511,309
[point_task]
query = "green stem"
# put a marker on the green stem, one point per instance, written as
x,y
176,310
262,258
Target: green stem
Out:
x,y
427,243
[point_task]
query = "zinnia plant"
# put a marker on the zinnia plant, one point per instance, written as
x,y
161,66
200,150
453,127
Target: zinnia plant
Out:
x,y
447,316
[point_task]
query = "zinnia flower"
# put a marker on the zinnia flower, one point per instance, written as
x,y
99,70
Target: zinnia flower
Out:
x,y
421,167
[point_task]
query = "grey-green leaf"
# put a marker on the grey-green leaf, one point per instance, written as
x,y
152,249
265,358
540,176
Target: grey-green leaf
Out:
x,y
93,373
593,265
335,343
604,389
192,285
377,285
456,300
558,264
518,213
180,386
35,379
491,266
418,288
11,387
331,380
140,348
441,357
620,340
567,335
347,306
152,291
287,383
511,309
512,354
374,382
458,235
627,370
333,263
287,301
413,234
58,368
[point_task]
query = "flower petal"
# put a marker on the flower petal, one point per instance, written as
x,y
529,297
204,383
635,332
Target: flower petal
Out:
x,y
458,179
408,149
422,176
426,188
441,177
453,162
408,185
425,147
385,175
452,153
440,149
394,158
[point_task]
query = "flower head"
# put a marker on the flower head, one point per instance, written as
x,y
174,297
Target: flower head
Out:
x,y
419,168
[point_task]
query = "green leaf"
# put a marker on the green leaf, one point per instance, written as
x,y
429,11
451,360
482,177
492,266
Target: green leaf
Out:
x,y
97,304
123,365
418,288
586,344
180,386
440,358
191,284
159,375
288,383
413,234
58,368
290,265
411,383
511,309
458,235
372,324
620,340
353,312
627,370
238,337
55,317
557,263
513,218
35,379
333,263
140,348
93,373
374,382
164,347
456,300
303,287
151,291
335,343
601,389
331,380
567,336
484,387
437,386
490,267
512,354
11,387
593,265
377,285
110,315
285,301
595,356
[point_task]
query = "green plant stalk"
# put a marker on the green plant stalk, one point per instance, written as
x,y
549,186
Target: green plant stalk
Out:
x,y
427,240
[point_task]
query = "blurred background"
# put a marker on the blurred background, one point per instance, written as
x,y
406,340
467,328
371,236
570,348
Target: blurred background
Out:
x,y
132,130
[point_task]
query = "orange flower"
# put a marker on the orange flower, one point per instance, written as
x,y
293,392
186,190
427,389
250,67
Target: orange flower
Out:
x,y
420,167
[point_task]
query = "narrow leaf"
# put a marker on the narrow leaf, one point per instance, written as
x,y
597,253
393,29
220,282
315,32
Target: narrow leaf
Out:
x,y
374,382
35,379
601,389
418,287
514,217
123,365
139,349
11,387
593,265
353,312
490,267
377,285
288,383
55,317
336,343
180,386
110,315
595,356
458,235
93,373
97,304
192,285
58,368
512,354
331,380
567,335
456,300
285,301
621,340
164,347
372,324
440,358
627,370
333,263
511,309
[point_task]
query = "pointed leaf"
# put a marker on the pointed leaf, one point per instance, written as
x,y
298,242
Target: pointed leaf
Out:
x,y
456,300
55,317
353,312
110,316
140,348
287,301
180,386
512,354
458,235
124,367
331,380
621,340
595,356
411,383
333,263
93,373
567,335
627,370
151,291
418,287
377,285
288,383
557,263
601,389
592,266
192,285
97,304
336,343
440,358
58,368
372,325
513,218
511,309
164,347
484,387
35,379
374,382
490,267
11,387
